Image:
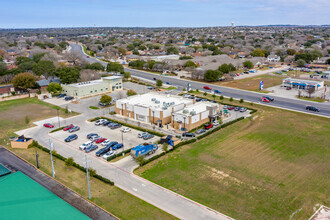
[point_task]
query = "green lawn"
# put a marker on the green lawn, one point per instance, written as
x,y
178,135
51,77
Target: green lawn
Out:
x,y
262,168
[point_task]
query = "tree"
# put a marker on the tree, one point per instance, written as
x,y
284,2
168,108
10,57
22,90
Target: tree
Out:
x,y
74,57
26,66
310,90
24,81
231,67
37,57
92,172
172,50
69,162
115,67
106,99
248,64
27,119
131,92
257,53
54,88
291,52
301,63
3,68
190,63
127,75
68,74
224,68
94,66
44,67
328,61
212,75
159,83
21,59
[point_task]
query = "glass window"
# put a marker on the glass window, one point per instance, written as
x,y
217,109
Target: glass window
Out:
x,y
95,90
91,91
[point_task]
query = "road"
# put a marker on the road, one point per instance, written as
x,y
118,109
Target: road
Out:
x,y
280,102
16,164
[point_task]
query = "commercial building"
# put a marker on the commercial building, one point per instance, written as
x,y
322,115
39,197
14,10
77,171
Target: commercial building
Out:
x,y
95,87
161,109
302,84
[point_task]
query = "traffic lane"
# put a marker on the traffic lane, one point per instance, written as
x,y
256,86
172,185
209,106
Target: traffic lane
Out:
x,y
236,93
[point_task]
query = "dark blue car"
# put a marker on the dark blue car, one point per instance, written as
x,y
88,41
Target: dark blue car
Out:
x,y
117,146
102,151
111,144
71,138
61,95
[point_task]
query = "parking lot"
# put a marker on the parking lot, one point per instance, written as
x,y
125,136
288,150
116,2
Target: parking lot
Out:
x,y
129,139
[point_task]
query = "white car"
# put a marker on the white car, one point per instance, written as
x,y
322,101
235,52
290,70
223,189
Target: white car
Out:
x,y
93,138
106,142
215,123
86,144
142,134
126,130
100,121
109,154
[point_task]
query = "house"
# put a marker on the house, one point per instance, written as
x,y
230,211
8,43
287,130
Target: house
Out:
x,y
273,58
45,82
6,90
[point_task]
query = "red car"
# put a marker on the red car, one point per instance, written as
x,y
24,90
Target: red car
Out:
x,y
68,127
100,140
230,107
48,125
264,99
207,87
208,126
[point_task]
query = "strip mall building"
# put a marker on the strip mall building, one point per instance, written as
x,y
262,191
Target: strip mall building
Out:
x,y
161,109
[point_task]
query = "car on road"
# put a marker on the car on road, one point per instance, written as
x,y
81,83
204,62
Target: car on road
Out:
x,y
269,98
84,145
48,125
207,88
125,130
95,137
100,121
91,134
68,127
312,108
117,146
230,107
113,143
168,83
108,154
100,140
102,151
148,136
106,142
61,96
264,100
142,134
90,148
88,56
73,129
188,134
115,125
212,101
217,91
151,87
200,131
237,108
71,138
208,126
68,98
243,109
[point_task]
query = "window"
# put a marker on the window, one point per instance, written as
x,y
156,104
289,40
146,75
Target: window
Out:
x,y
95,90
106,88
91,91
116,87
101,89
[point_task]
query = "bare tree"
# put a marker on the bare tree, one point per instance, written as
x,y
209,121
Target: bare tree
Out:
x,y
6,78
88,75
75,57
310,90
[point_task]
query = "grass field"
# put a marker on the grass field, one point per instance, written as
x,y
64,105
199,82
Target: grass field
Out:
x,y
253,83
111,198
262,168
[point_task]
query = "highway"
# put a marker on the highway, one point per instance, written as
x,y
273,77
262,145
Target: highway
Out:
x,y
280,102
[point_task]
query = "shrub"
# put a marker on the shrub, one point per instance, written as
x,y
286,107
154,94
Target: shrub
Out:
x,y
112,113
131,92
69,161
91,172
94,107
205,94
57,129
27,120
231,99
241,100
165,147
140,160
221,97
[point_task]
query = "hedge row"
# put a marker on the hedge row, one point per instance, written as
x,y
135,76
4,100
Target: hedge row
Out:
x,y
37,145
131,126
118,155
57,129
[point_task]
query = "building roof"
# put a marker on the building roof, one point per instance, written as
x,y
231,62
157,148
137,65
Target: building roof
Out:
x,y
4,170
45,82
23,198
302,81
197,108
94,82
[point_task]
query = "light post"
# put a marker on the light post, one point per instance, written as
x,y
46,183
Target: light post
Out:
x,y
122,109
51,157
184,122
58,117
122,140
153,117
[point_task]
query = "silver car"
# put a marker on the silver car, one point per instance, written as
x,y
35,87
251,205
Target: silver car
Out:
x,y
75,128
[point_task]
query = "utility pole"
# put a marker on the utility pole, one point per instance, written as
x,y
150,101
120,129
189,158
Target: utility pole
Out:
x,y
51,157
37,158
89,190
58,117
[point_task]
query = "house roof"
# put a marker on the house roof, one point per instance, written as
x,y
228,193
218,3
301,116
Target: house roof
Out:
x,y
45,82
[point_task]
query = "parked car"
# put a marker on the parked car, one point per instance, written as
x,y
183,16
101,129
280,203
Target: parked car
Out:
x,y
68,98
108,154
269,98
288,88
212,101
148,136
237,108
48,125
117,146
186,95
93,138
68,127
100,140
200,131
91,148
71,138
264,100
125,130
106,142
243,109
207,88
216,123
155,78
91,134
230,107
100,121
168,83
225,107
114,126
102,151
312,108
208,126
151,87
217,91
188,134
106,123
61,96
73,129
84,145
113,143
142,134
198,99
104,104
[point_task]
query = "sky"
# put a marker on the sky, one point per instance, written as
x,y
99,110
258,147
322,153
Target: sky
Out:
x,y
160,13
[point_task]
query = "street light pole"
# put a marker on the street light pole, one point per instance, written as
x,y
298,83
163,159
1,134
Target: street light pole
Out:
x,y
58,117
184,122
122,140
89,190
51,157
